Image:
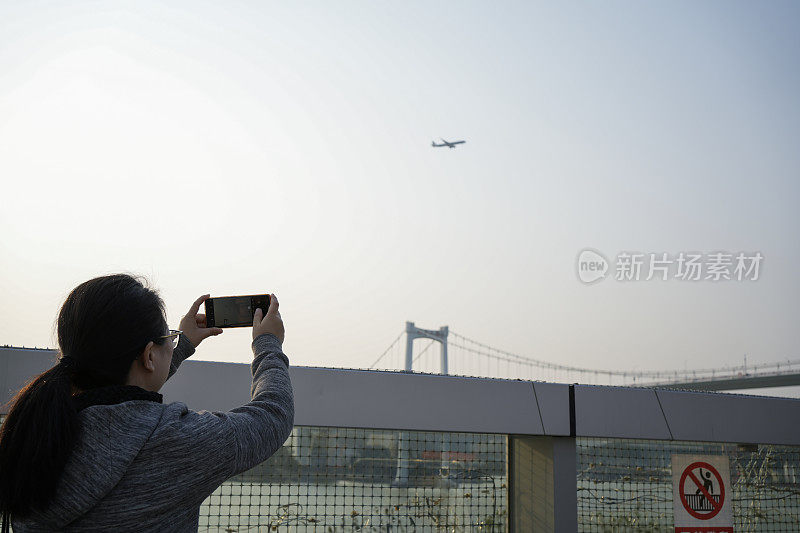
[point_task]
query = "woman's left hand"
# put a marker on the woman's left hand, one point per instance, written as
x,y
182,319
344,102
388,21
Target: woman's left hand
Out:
x,y
193,324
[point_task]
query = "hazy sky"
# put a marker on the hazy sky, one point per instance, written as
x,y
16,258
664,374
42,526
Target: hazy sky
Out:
x,y
248,147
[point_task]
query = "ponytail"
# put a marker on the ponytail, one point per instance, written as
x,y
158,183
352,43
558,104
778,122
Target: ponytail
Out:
x,y
32,459
103,325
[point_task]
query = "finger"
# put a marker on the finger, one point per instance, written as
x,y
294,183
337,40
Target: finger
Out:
x,y
273,306
257,317
210,332
200,320
196,305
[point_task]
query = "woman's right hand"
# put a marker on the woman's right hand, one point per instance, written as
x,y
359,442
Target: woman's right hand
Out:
x,y
271,323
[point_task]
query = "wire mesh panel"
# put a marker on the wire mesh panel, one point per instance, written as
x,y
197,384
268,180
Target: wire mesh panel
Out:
x,y
626,485
340,479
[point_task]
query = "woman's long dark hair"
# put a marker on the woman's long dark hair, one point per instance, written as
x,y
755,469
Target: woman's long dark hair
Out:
x,y
104,324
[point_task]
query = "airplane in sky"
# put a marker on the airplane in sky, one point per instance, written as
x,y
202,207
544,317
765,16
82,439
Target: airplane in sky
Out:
x,y
445,143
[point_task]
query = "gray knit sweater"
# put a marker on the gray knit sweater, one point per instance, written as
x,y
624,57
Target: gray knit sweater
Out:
x,y
147,466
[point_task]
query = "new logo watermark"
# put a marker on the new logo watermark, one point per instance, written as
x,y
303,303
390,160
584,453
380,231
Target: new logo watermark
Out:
x,y
592,266
684,266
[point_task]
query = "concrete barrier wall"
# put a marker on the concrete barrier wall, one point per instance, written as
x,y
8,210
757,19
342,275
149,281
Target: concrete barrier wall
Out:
x,y
398,400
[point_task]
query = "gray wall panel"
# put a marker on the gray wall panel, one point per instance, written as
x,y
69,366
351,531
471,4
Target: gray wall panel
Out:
x,y
209,386
731,418
354,398
553,400
618,412
333,397
17,366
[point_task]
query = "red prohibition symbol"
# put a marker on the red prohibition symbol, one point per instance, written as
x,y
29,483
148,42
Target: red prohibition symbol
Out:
x,y
702,494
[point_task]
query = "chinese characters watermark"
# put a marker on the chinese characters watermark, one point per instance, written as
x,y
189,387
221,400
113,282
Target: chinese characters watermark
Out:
x,y
684,266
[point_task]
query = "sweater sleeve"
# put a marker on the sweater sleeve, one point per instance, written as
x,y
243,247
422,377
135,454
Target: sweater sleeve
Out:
x,y
263,425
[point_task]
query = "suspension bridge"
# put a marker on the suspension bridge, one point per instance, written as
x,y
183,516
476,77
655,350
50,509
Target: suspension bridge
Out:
x,y
464,356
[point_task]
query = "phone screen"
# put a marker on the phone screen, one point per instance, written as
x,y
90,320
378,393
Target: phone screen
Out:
x,y
234,311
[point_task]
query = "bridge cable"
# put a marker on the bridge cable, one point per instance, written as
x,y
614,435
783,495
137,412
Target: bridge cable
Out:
x,y
387,350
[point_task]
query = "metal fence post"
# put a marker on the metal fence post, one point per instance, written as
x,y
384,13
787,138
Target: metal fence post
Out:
x,y
565,485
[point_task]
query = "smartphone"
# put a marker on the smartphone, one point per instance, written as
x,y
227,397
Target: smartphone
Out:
x,y
234,311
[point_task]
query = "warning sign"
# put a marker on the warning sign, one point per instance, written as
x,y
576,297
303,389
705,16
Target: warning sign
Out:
x,y
701,494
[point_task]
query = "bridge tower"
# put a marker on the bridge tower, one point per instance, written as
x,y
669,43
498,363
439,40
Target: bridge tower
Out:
x,y
403,446
440,336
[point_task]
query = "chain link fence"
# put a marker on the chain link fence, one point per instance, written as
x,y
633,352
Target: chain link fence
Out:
x,y
341,479
626,485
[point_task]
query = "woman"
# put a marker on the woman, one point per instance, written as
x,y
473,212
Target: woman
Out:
x,y
89,446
